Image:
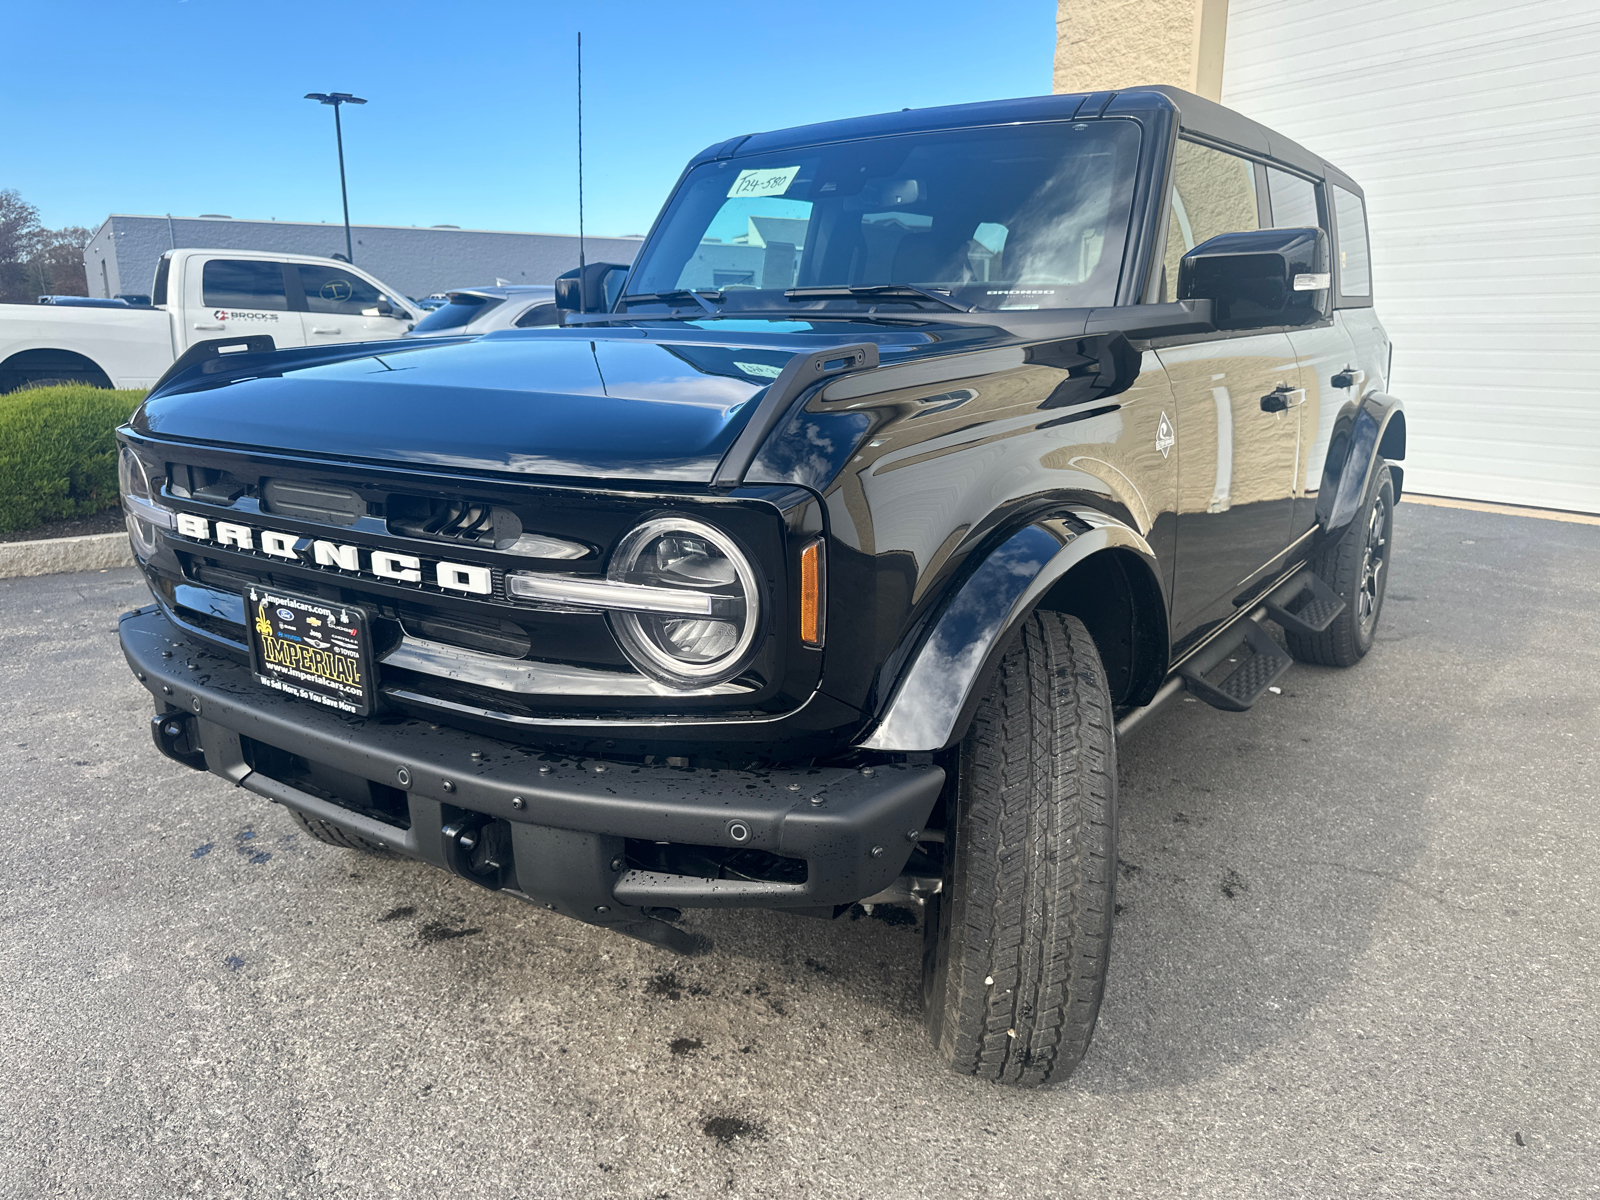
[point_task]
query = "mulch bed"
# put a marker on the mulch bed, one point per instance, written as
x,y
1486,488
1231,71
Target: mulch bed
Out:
x,y
107,520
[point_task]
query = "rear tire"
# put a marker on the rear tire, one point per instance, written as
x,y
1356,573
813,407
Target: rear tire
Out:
x,y
1356,566
1015,947
332,835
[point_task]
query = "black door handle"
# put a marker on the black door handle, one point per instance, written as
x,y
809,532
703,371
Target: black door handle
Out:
x,y
1277,400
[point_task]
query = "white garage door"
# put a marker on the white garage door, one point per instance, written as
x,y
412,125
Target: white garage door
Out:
x,y
1474,126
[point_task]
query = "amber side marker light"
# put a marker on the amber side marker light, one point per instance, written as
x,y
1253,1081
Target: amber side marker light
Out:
x,y
811,582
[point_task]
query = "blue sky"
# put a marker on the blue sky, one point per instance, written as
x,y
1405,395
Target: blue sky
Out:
x,y
194,106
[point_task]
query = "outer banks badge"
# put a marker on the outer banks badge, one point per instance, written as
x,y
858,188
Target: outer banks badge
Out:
x,y
1164,437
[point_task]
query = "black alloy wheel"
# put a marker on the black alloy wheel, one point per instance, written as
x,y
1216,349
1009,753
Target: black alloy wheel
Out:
x,y
1355,565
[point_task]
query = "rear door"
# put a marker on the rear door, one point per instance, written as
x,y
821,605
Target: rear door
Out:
x,y
1324,353
343,305
227,297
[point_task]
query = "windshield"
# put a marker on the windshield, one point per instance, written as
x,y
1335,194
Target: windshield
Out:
x,y
463,307
1029,216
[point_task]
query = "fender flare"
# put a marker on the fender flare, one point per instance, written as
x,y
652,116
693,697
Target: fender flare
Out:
x,y
1374,426
946,676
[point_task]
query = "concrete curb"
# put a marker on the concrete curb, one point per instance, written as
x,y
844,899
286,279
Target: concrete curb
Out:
x,y
95,552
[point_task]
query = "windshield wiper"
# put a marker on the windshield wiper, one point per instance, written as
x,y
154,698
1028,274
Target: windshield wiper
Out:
x,y
676,296
876,291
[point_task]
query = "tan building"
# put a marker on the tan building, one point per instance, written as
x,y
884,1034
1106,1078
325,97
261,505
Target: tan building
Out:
x,y
1471,125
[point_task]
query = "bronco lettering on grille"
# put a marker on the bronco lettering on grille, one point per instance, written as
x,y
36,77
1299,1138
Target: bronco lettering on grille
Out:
x,y
380,564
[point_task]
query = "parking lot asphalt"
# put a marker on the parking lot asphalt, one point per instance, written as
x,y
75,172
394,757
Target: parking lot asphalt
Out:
x,y
1356,955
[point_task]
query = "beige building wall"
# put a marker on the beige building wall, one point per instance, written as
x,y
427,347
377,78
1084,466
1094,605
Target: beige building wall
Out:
x,y
1103,45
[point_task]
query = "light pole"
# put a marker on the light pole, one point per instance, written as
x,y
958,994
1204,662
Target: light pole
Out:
x,y
336,99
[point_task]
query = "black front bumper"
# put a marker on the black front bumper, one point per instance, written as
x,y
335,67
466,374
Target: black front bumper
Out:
x,y
569,819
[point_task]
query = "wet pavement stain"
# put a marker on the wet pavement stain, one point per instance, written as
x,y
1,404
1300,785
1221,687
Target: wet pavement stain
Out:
x,y
438,931
202,851
664,983
683,1046
243,844
1233,883
727,1129
233,962
396,914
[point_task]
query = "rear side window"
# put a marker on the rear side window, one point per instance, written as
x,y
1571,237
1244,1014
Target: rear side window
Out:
x,y
539,314
1294,201
1355,263
158,292
463,308
1212,192
243,283
333,290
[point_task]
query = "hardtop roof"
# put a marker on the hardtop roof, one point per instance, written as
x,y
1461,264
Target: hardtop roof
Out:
x,y
1196,115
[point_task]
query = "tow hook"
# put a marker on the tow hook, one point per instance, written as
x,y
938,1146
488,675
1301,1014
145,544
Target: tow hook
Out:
x,y
178,737
478,848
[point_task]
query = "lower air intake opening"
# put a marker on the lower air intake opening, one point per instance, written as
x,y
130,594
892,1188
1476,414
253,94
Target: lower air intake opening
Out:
x,y
713,862
371,799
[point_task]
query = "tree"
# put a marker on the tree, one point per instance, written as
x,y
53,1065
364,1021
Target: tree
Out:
x,y
35,261
18,222
55,262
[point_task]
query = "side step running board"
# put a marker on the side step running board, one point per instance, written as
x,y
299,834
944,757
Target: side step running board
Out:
x,y
1302,604
1305,604
1261,660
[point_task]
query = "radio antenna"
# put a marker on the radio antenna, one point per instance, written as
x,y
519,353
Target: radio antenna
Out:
x,y
580,158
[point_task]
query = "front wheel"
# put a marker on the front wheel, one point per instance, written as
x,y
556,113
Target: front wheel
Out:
x,y
1016,945
331,835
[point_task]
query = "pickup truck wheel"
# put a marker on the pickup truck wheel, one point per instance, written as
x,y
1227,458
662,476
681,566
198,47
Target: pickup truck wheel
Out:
x,y
1016,945
16,381
332,835
1356,566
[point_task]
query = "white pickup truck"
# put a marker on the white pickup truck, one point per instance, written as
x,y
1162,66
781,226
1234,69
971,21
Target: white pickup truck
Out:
x,y
198,296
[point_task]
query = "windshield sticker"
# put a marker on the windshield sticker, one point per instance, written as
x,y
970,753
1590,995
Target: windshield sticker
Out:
x,y
769,181
763,370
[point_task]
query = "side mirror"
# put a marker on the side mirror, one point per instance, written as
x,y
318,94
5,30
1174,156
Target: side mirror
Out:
x,y
595,291
1259,279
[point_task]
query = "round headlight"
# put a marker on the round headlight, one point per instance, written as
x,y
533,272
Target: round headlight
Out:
x,y
133,480
687,555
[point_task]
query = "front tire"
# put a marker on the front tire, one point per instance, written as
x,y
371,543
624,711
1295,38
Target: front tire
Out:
x,y
1015,947
331,835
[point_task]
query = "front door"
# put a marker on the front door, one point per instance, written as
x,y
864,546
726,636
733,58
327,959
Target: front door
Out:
x,y
343,306
1238,434
1238,401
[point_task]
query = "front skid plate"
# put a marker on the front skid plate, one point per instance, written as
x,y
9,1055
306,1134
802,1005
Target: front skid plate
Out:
x,y
832,817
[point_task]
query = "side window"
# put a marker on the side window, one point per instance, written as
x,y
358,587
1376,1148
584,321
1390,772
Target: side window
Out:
x,y
243,283
1355,265
332,290
539,314
1294,201
1212,192
158,291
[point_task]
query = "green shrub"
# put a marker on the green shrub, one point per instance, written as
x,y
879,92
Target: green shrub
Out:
x,y
58,452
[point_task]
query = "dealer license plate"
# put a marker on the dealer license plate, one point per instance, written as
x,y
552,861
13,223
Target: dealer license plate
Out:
x,y
314,649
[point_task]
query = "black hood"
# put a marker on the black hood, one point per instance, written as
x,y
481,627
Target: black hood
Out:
x,y
614,403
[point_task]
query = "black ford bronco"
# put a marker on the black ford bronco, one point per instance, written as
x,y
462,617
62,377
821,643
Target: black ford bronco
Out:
x,y
823,555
